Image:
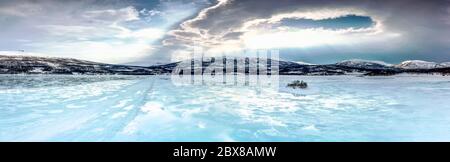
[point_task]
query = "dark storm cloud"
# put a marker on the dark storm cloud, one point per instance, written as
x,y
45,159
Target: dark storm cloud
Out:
x,y
423,25
398,13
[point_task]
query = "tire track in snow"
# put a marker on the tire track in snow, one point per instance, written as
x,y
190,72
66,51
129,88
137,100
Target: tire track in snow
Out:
x,y
115,113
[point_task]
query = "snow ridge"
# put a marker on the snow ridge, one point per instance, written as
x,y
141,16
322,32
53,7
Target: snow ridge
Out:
x,y
364,64
417,64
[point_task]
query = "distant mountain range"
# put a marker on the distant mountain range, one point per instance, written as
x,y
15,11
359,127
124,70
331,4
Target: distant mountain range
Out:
x,y
48,65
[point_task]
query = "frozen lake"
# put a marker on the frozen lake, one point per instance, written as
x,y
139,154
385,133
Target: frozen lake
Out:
x,y
150,108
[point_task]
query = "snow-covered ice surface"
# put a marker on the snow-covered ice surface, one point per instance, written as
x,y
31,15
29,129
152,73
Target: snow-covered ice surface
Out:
x,y
150,108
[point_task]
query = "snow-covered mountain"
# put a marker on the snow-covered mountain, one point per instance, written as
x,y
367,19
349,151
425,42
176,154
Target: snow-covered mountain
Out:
x,y
443,65
49,65
365,64
417,64
304,63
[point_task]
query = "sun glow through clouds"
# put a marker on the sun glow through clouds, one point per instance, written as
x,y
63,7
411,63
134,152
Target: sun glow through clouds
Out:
x,y
300,39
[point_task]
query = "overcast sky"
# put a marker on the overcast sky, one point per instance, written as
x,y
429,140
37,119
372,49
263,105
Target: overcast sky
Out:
x,y
152,31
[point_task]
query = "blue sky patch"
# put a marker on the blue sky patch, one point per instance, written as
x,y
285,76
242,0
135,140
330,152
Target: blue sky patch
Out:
x,y
350,21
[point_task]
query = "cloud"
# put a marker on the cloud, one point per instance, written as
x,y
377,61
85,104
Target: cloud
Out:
x,y
448,16
145,34
20,10
408,25
146,12
100,36
109,52
224,25
119,15
70,31
20,53
106,44
104,31
158,30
